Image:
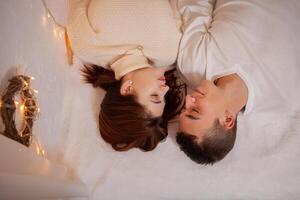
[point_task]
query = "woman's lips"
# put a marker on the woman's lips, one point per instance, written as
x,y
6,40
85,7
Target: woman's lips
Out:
x,y
162,81
162,78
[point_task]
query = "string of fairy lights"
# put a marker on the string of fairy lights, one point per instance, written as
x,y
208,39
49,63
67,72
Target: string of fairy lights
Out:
x,y
27,106
30,111
58,29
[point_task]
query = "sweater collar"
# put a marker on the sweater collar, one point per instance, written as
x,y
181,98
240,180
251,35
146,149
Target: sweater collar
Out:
x,y
128,63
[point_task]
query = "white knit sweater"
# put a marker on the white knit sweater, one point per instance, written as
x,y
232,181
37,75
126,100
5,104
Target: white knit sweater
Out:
x,y
123,34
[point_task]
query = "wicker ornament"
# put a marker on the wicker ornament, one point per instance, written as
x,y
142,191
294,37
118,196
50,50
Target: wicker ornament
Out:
x,y
19,84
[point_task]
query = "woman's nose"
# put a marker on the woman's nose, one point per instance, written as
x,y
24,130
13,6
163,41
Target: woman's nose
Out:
x,y
164,88
189,101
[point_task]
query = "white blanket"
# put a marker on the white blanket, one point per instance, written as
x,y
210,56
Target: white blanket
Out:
x,y
264,163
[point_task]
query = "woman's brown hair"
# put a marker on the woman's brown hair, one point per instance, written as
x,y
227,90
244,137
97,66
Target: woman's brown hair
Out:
x,y
123,122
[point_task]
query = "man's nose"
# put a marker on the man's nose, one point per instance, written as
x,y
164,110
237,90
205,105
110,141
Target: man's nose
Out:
x,y
189,101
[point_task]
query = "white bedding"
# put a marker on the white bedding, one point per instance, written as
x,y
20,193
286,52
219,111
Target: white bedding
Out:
x,y
264,163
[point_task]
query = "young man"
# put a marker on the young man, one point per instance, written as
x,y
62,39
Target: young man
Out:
x,y
239,57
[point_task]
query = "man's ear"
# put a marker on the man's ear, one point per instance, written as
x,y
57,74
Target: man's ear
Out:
x,y
126,88
229,120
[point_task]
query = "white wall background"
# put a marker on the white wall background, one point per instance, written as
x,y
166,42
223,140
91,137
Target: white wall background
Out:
x,y
28,45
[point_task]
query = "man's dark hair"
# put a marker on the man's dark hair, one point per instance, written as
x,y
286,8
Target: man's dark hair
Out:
x,y
215,144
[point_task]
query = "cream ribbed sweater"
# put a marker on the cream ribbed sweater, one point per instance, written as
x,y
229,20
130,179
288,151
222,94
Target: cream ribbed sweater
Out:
x,y
122,34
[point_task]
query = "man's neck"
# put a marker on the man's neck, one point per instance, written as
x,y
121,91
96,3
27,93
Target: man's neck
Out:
x,y
235,92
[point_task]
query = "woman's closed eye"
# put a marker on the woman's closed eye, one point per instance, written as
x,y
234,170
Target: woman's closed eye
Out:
x,y
155,98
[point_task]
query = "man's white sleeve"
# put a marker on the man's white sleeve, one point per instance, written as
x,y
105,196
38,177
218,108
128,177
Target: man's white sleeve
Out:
x,y
197,16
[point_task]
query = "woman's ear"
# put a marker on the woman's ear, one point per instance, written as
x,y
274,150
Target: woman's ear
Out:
x,y
229,120
126,88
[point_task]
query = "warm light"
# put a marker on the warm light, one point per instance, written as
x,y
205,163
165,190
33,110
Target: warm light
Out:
x,y
40,151
38,110
61,34
48,15
32,78
55,32
37,150
22,108
16,103
44,20
36,91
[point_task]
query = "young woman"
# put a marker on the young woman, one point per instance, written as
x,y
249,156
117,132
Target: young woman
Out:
x,y
127,46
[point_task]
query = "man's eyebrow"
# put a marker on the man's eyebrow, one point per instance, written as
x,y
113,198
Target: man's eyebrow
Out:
x,y
192,117
196,111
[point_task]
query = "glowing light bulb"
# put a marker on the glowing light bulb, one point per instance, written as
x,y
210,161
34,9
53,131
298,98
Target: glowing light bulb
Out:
x,y
22,108
40,151
37,149
32,78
